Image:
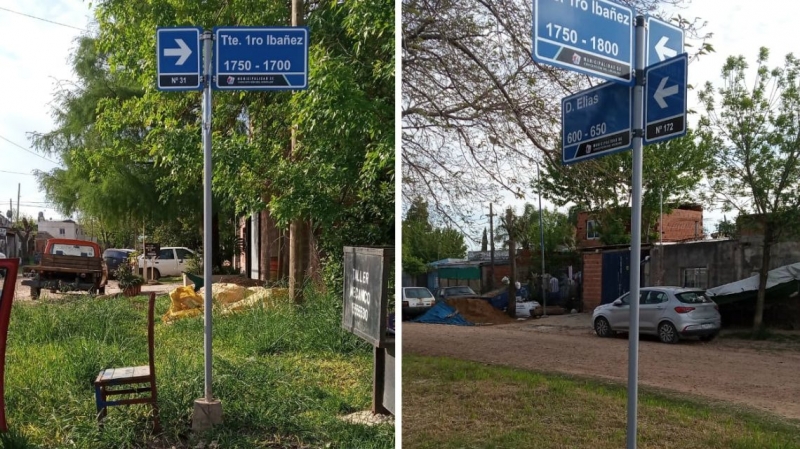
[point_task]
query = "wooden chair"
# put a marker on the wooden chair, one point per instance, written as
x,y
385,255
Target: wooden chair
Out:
x,y
134,379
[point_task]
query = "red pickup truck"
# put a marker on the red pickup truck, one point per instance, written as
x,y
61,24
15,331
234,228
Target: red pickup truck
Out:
x,y
69,265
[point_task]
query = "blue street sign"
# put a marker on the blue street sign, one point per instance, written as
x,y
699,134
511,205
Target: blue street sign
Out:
x,y
590,36
260,58
178,58
665,99
664,41
596,122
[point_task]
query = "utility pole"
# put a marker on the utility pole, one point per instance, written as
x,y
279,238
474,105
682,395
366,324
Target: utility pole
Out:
x,y
19,189
512,257
541,240
491,245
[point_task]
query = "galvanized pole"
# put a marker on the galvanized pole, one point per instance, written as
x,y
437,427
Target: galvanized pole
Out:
x,y
636,232
491,246
541,240
207,243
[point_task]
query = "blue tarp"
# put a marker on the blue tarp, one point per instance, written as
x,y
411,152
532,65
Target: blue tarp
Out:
x,y
500,301
442,313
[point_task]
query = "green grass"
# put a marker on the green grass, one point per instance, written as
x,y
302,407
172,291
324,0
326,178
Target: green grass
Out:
x,y
449,404
284,376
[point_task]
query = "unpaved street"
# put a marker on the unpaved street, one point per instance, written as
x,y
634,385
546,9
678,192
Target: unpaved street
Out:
x,y
721,370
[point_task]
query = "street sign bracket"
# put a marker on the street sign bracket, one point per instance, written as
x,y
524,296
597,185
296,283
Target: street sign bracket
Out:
x,y
638,132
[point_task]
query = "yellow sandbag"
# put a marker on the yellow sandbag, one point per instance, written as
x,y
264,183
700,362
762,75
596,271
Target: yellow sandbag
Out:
x,y
184,302
225,293
254,296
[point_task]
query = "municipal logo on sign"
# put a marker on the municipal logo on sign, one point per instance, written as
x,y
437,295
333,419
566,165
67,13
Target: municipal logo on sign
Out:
x,y
589,36
596,122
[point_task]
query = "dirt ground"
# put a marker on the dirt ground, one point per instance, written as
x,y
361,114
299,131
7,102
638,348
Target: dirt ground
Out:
x,y
757,374
22,292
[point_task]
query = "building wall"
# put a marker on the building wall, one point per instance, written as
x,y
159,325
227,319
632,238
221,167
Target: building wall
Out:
x,y
592,280
71,229
725,261
679,225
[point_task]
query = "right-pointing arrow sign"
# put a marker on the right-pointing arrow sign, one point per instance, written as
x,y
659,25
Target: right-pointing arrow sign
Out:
x,y
662,92
183,52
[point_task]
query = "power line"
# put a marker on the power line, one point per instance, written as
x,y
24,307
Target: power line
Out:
x,y
17,173
29,151
42,19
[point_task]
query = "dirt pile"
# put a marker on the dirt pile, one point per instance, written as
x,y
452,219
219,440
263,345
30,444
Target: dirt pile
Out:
x,y
479,311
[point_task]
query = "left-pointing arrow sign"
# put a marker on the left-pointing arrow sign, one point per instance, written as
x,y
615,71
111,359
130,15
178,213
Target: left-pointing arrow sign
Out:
x,y
663,92
183,52
663,51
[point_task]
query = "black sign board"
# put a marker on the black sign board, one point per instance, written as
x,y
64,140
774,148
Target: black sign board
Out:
x,y
366,282
151,250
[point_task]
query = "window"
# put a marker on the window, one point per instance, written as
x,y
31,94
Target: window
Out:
x,y
62,231
183,253
695,277
591,230
652,297
166,254
625,299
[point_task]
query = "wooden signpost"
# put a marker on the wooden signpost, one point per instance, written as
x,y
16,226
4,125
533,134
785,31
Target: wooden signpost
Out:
x,y
366,298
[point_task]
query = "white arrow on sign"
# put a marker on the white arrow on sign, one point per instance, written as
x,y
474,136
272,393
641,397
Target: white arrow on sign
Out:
x,y
663,51
662,93
183,52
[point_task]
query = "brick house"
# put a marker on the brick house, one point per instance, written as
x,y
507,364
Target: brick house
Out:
x,y
685,223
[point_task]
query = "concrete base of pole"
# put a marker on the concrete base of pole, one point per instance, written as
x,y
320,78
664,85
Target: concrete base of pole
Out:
x,y
206,414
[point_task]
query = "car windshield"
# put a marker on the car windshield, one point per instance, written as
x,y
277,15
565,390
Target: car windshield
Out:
x,y
116,253
695,297
418,292
72,250
459,291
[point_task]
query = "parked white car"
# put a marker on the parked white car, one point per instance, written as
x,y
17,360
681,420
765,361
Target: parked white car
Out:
x,y
171,261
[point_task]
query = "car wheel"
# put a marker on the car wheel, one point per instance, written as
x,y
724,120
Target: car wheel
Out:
x,y
602,327
708,337
156,275
667,333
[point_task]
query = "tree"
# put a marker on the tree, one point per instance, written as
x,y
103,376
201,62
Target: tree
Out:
x,y
558,232
484,241
675,169
423,243
25,230
125,134
477,111
755,131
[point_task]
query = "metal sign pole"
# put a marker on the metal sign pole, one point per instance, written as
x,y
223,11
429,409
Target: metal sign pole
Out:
x,y
207,244
636,232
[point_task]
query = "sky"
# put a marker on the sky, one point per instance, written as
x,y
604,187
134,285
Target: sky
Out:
x,y
34,55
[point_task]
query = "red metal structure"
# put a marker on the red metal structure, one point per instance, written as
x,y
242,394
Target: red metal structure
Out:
x,y
9,269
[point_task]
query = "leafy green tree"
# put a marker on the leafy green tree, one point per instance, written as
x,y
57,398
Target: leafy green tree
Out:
x,y
119,132
675,169
423,243
558,232
755,129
